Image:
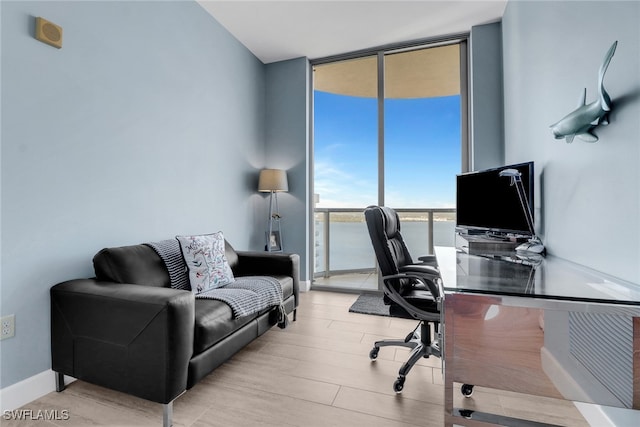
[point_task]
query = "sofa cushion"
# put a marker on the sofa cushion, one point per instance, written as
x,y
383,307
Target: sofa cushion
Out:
x,y
214,319
287,286
141,265
137,264
231,254
206,260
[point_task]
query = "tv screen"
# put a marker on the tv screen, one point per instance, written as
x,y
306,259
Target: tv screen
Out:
x,y
486,202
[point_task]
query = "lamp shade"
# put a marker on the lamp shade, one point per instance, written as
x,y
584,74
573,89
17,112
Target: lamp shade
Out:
x,y
273,180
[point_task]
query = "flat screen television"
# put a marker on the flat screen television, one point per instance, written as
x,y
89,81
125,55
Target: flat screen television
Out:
x,y
486,202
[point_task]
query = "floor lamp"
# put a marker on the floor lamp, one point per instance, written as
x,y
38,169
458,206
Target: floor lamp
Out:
x,y
273,181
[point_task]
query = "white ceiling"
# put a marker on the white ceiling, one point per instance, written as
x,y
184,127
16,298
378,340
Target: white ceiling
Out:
x,y
280,30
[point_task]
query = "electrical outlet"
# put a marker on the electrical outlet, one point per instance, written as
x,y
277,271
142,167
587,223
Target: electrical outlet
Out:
x,y
8,326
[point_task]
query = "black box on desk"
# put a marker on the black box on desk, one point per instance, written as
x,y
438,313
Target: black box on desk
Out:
x,y
486,245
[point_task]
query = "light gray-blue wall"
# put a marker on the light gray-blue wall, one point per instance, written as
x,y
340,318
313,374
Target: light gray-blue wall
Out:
x,y
149,122
486,97
287,147
588,195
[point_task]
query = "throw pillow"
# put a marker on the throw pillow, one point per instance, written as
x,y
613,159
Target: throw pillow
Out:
x,y
206,261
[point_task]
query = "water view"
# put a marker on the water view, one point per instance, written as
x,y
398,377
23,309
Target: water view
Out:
x,y
350,246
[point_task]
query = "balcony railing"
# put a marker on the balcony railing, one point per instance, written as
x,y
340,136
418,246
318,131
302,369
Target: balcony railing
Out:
x,y
342,243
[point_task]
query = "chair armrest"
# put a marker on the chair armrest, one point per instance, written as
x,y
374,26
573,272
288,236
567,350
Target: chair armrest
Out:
x,y
131,338
426,270
431,276
429,259
255,263
435,287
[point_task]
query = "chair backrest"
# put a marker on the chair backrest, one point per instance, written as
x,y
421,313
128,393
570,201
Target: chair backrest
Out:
x,y
384,230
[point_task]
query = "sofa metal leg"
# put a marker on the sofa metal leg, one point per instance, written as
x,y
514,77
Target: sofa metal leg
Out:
x,y
294,314
167,414
59,381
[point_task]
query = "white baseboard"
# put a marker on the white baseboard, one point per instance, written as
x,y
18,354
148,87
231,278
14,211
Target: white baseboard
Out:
x,y
305,285
560,377
28,390
595,415
607,416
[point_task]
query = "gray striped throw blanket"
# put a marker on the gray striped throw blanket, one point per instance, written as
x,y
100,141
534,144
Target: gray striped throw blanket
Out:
x,y
246,295
171,254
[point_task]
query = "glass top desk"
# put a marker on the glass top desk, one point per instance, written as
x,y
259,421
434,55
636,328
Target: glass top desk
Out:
x,y
543,327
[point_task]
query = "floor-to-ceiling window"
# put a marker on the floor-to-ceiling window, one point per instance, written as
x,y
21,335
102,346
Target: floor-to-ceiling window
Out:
x,y
389,129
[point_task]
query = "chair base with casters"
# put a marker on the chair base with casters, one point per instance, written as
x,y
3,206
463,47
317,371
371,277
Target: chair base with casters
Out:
x,y
421,344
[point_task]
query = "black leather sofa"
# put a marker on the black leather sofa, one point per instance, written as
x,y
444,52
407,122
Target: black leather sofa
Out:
x,y
127,330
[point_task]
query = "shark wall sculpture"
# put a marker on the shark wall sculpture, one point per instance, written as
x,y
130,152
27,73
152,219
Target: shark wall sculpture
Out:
x,y
581,121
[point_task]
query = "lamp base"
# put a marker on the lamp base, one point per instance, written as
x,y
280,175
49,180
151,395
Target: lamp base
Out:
x,y
534,245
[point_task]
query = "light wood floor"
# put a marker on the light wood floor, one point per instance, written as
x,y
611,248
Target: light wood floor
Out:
x,y
314,373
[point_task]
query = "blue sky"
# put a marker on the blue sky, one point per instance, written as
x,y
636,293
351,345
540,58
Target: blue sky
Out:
x,y
422,151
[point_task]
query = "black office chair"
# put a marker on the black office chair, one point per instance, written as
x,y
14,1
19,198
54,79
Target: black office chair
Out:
x,y
412,290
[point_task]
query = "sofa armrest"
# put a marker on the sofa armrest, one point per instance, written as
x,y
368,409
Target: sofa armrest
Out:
x,y
255,263
131,338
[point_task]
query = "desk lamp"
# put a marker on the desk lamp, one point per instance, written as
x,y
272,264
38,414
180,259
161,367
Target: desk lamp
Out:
x,y
534,244
273,181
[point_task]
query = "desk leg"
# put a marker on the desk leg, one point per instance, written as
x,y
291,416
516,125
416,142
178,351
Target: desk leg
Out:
x,y
448,362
